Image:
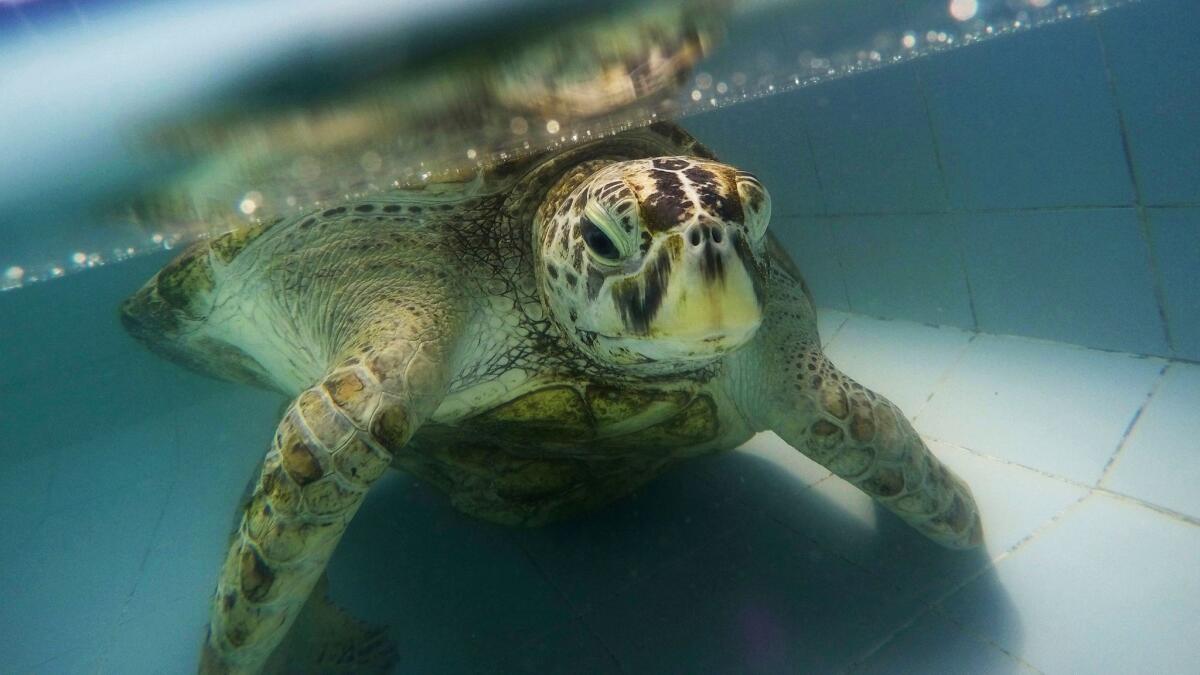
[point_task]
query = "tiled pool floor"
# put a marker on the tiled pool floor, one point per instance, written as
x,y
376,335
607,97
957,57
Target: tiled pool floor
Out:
x,y
1086,465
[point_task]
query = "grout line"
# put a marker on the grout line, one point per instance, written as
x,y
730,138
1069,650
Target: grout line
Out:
x,y
1063,208
1001,460
1161,510
1156,277
980,637
944,377
933,137
106,650
933,605
827,341
1122,127
812,154
1091,489
577,615
1025,338
770,515
1106,473
962,263
1035,534
939,599
1059,208
1139,201
1164,510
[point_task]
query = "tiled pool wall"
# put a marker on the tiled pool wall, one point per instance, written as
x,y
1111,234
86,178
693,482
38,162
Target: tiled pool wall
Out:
x,y
1044,184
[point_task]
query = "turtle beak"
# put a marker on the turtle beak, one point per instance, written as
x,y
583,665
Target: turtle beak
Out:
x,y
713,299
694,298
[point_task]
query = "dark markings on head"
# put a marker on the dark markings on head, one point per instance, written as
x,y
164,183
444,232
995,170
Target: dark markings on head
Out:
x,y
708,185
572,279
577,258
712,265
365,208
392,208
668,206
333,212
646,240
638,299
552,271
595,281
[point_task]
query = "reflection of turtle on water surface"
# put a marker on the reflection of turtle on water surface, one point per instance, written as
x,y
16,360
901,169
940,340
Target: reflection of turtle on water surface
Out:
x,y
536,343
354,133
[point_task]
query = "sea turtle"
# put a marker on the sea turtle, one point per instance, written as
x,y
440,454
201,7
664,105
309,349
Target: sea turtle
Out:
x,y
537,342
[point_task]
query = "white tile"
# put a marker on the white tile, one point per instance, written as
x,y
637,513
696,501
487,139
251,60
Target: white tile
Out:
x,y
569,649
112,462
1153,86
761,600
165,641
905,266
1112,588
592,557
812,245
765,462
934,644
24,504
1056,408
1080,276
1027,137
1160,462
1175,237
70,583
872,144
1013,503
829,324
903,361
73,662
454,594
221,443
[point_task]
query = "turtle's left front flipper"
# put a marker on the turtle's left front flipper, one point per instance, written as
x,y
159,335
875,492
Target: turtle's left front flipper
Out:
x,y
334,442
786,385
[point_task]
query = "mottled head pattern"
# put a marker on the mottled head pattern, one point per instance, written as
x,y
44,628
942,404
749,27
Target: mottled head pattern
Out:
x,y
655,263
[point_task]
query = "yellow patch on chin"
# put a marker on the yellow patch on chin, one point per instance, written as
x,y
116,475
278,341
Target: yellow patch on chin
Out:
x,y
701,310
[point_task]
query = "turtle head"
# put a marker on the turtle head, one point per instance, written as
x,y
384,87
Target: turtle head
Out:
x,y
655,263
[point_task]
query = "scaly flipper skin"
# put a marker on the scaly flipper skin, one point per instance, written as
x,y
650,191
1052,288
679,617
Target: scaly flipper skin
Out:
x,y
335,440
789,387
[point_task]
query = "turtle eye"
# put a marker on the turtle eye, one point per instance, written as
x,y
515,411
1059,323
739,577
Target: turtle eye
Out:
x,y
597,240
756,204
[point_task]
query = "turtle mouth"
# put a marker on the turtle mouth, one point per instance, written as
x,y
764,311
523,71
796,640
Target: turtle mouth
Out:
x,y
687,346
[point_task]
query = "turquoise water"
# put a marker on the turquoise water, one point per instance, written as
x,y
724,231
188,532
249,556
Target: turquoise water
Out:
x,y
1002,235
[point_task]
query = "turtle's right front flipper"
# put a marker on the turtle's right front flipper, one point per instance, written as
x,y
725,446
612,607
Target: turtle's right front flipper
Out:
x,y
334,442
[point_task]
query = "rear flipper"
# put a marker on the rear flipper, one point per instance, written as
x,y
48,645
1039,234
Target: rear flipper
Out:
x,y
327,640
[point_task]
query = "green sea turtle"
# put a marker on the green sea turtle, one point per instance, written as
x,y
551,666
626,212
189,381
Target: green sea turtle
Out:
x,y
537,342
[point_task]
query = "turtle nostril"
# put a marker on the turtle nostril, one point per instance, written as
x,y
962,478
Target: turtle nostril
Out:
x,y
716,235
694,237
